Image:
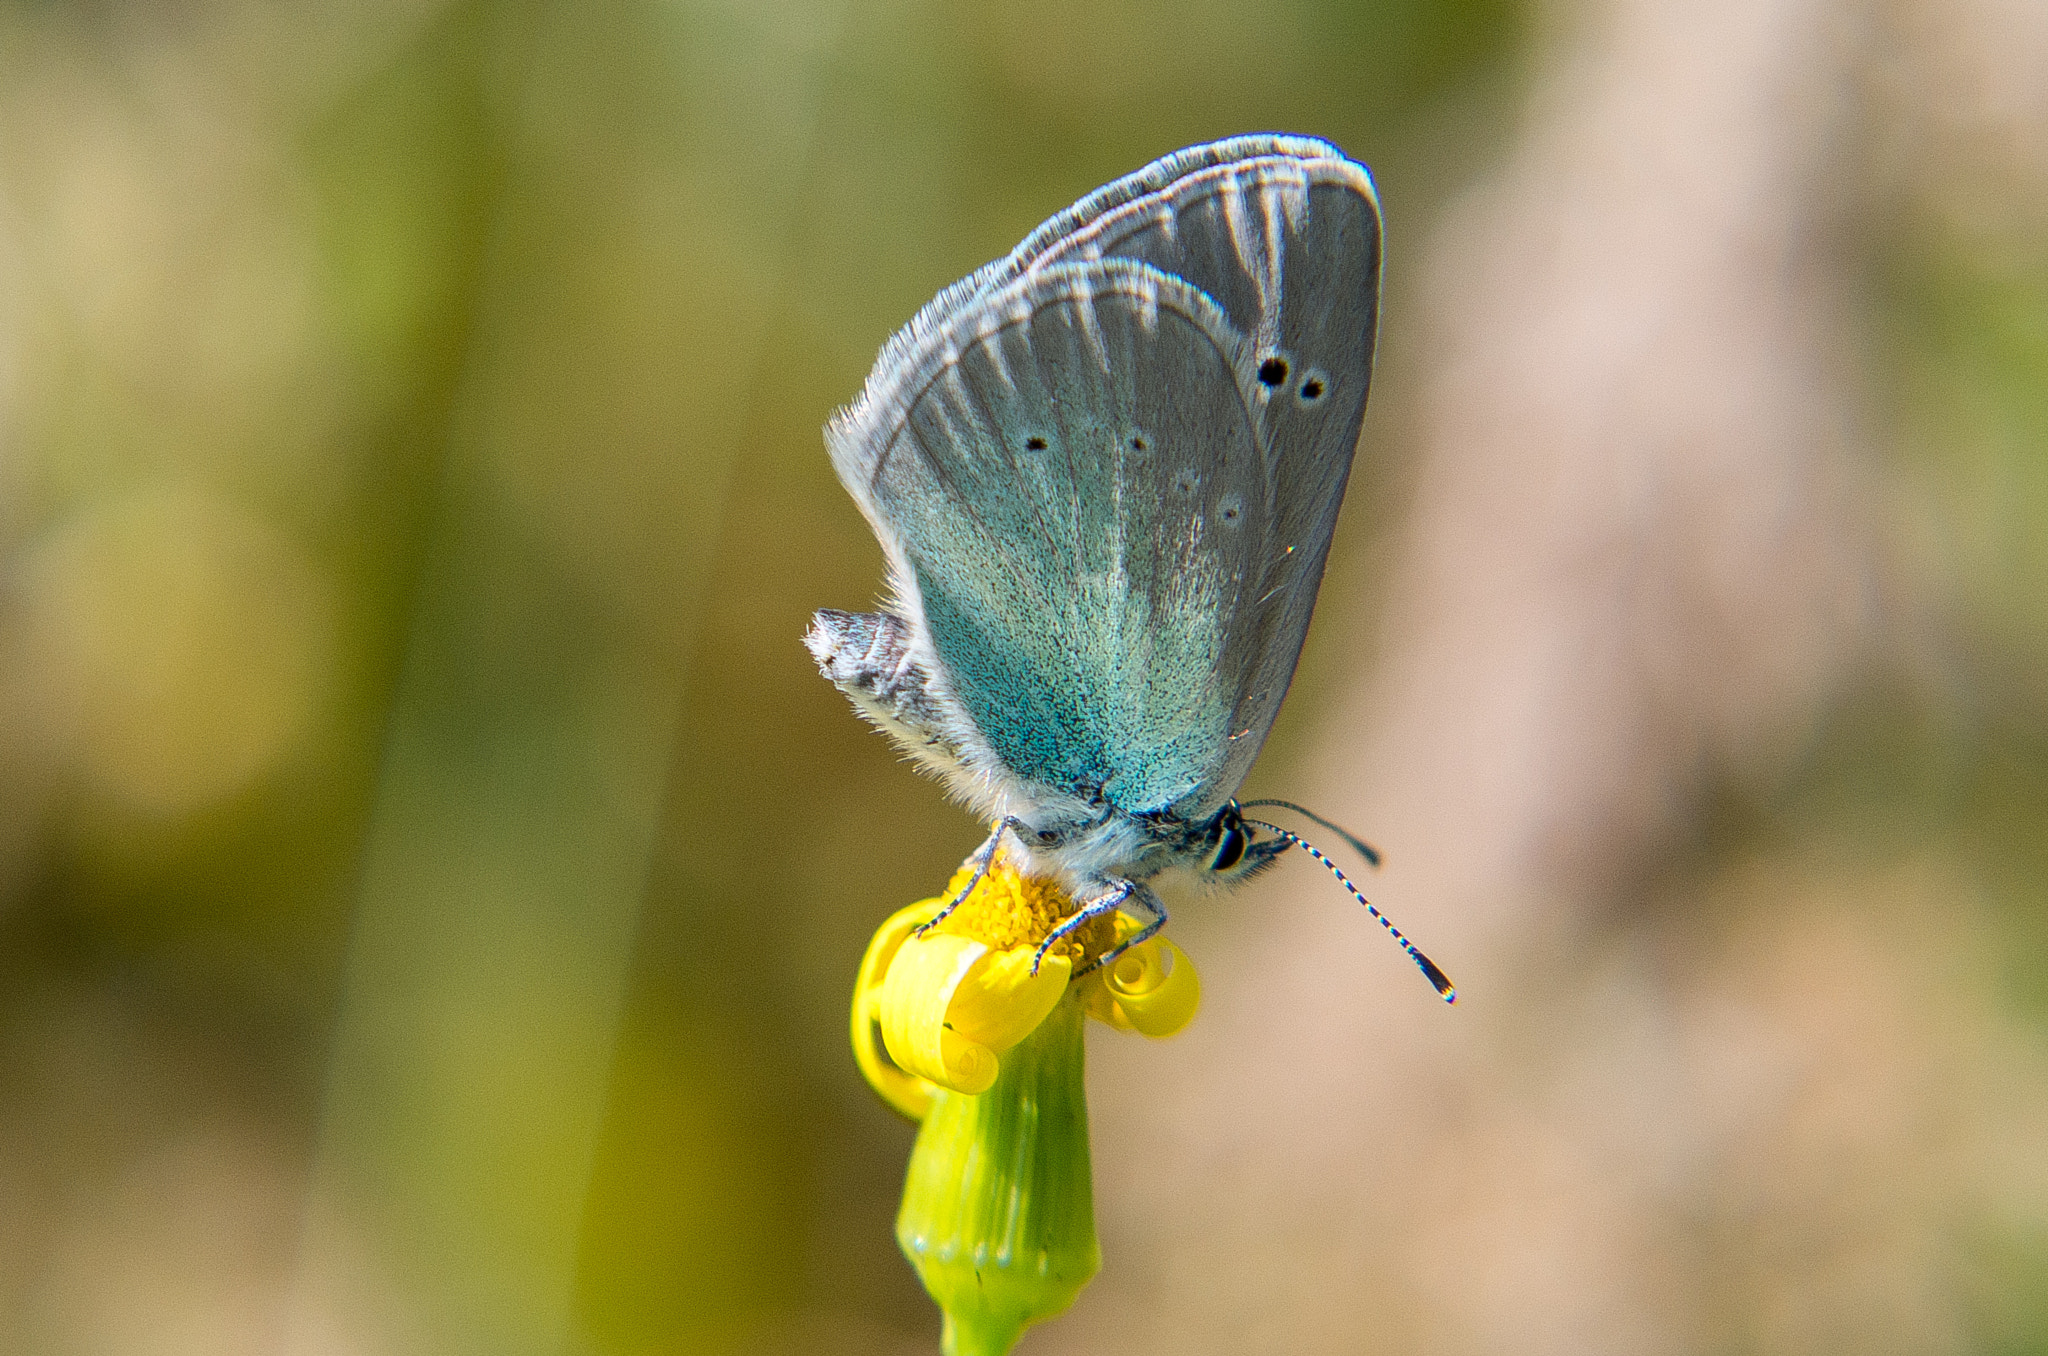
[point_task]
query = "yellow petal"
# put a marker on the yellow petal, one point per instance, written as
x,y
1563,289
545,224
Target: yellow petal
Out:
x,y
949,1006
910,1095
913,1005
1151,989
1000,1002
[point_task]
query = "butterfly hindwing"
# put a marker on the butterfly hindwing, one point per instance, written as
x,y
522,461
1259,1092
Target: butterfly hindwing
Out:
x,y
1075,497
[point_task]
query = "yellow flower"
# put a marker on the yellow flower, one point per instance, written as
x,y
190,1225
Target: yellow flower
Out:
x,y
954,1030
938,1011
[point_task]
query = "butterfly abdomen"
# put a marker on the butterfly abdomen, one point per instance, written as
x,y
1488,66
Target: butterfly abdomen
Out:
x,y
867,656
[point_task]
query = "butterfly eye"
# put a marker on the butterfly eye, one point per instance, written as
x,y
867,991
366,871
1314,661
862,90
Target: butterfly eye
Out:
x,y
1229,849
1314,386
1273,371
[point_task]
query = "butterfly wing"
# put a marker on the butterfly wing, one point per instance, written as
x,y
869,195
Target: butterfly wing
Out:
x,y
1166,214
1284,233
1281,236
1071,486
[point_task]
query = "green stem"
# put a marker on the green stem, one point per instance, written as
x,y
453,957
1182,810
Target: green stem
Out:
x,y
998,1210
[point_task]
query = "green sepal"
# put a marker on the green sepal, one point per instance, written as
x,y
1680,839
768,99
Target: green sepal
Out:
x,y
998,1210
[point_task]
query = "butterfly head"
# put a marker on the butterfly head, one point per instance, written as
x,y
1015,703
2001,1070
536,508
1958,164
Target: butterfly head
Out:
x,y
1233,851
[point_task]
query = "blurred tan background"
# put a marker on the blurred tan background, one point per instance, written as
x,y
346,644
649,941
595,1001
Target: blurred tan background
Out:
x,y
432,873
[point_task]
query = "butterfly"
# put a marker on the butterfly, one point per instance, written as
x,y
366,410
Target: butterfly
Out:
x,y
1105,471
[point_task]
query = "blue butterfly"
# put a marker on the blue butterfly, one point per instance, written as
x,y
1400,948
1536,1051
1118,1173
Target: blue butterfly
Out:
x,y
1105,470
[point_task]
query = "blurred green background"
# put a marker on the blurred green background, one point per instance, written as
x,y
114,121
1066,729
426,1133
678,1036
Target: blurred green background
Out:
x,y
431,870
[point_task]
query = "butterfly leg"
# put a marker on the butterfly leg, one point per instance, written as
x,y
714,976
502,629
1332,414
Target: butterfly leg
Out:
x,y
1141,895
982,858
1120,892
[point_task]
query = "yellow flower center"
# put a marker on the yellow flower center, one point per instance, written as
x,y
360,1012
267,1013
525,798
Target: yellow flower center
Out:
x,y
1010,909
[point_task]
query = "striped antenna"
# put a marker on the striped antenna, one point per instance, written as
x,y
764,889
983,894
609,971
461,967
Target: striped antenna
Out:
x,y
1358,845
1437,978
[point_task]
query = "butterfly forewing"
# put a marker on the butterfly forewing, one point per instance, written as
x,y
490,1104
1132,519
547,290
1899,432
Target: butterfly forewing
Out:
x,y
1289,246
1078,492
